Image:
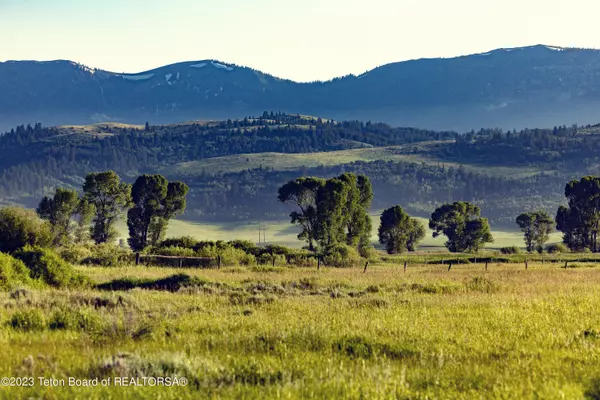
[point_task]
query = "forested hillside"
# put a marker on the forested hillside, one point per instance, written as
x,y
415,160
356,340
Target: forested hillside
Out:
x,y
504,173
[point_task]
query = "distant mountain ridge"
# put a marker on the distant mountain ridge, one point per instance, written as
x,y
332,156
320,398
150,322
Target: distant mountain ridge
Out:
x,y
508,88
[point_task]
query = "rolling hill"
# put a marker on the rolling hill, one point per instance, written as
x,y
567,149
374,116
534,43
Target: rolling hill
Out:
x,y
508,88
234,167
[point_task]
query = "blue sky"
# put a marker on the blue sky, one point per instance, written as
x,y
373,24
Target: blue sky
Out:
x,y
298,39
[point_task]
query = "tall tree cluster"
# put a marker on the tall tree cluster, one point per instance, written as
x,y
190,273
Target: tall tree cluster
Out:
x,y
155,201
536,227
399,232
462,224
331,211
149,205
579,221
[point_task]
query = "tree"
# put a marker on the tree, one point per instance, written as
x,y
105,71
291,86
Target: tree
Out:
x,y
461,223
20,227
536,227
416,233
332,202
580,222
302,193
83,218
58,211
358,221
398,231
331,211
110,197
574,235
155,201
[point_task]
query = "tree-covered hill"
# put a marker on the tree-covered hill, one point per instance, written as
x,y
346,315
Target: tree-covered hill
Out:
x,y
234,167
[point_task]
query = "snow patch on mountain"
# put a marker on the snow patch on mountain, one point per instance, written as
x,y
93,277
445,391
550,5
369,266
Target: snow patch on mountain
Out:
x,y
201,65
137,77
221,66
553,48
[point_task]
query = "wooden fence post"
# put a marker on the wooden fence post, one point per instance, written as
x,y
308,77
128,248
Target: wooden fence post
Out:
x,y
450,266
526,265
405,266
218,262
566,264
137,258
318,263
486,264
366,265
273,257
180,262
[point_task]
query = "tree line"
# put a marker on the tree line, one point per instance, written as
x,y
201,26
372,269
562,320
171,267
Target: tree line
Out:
x,y
335,211
149,204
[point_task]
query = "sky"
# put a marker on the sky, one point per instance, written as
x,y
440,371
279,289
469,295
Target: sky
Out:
x,y
303,40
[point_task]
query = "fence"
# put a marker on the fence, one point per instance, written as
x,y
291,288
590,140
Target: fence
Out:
x,y
178,261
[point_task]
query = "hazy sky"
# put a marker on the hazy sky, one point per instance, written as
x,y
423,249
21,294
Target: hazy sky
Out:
x,y
297,39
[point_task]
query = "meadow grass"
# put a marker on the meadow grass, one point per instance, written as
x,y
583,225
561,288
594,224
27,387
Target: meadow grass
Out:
x,y
411,153
330,334
284,233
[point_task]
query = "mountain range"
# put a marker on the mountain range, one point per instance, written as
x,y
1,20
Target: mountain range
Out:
x,y
540,86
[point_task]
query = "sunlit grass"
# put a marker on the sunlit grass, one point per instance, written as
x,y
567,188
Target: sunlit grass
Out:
x,y
334,333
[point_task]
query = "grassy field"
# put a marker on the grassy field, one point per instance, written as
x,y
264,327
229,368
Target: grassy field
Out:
x,y
416,153
265,333
282,232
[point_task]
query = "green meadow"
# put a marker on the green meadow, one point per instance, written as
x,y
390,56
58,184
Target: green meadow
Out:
x,y
282,232
283,333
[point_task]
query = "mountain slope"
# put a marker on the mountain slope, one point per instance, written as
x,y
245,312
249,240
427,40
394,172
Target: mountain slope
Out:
x,y
510,88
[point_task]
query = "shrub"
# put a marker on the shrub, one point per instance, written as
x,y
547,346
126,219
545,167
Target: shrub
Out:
x,y
75,320
302,258
556,248
12,272
174,251
74,254
368,253
248,260
186,242
341,255
108,255
229,255
20,227
510,250
245,245
29,320
47,266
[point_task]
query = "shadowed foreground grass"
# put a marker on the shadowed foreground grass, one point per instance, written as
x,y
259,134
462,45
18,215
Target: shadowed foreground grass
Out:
x,y
296,333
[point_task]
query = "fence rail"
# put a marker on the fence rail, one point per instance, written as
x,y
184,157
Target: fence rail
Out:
x,y
195,261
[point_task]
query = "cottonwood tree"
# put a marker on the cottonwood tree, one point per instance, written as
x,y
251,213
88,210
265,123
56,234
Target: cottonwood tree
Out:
x,y
110,198
462,224
536,227
331,211
399,232
358,224
155,201
84,213
580,221
59,210
302,193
